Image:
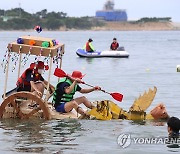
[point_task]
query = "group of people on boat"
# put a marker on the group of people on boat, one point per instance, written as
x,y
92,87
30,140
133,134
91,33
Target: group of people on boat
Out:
x,y
63,93
31,80
90,48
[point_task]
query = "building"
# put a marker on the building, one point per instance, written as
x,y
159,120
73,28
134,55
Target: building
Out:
x,y
110,14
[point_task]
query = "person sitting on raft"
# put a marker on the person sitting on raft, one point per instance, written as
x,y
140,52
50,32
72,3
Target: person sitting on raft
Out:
x,y
63,96
114,44
88,46
31,80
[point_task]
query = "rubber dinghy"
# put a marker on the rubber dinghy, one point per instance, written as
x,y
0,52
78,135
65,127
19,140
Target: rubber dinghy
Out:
x,y
98,54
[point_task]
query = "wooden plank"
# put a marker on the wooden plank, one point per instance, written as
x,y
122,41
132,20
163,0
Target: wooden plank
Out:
x,y
38,40
37,49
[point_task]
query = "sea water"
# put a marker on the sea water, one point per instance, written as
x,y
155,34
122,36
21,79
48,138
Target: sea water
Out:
x,y
153,58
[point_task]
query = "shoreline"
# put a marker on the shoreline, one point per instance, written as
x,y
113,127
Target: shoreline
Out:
x,y
121,26
146,26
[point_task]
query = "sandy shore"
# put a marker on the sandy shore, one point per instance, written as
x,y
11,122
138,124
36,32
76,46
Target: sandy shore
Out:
x,y
147,26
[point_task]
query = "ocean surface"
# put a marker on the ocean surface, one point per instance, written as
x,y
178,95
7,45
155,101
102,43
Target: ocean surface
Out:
x,y
154,56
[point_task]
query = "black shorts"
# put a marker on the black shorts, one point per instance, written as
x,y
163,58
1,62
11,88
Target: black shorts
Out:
x,y
25,88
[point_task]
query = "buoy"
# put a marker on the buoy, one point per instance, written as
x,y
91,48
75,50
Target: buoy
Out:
x,y
147,69
178,68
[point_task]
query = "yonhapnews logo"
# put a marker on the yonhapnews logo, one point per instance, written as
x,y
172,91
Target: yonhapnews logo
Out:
x,y
125,140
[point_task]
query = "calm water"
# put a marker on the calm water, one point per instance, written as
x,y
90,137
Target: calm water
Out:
x,y
152,62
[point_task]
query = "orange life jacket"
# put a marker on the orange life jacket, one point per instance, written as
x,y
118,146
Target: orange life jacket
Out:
x,y
88,48
22,80
114,46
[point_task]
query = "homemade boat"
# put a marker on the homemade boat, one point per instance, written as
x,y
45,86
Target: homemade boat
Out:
x,y
16,104
97,54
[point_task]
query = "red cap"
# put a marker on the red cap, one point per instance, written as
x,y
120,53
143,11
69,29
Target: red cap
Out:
x,y
77,74
39,65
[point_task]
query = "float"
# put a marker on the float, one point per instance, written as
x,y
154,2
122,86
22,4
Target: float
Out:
x,y
106,53
16,104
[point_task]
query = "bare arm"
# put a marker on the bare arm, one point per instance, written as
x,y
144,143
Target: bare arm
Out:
x,y
69,89
84,91
33,86
90,89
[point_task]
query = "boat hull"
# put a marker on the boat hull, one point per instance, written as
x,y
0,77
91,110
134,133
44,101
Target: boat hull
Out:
x,y
99,54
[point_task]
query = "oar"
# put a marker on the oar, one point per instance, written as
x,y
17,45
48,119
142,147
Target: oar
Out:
x,y
10,92
117,96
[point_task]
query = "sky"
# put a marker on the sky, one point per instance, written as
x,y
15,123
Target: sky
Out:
x,y
136,9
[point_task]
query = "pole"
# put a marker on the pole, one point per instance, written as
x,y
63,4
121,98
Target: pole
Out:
x,y
6,78
19,69
60,65
46,99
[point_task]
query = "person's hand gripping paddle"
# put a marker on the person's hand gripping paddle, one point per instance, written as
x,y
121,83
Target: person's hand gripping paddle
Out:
x,y
117,96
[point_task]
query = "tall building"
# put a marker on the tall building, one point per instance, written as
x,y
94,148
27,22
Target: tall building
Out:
x,y
110,14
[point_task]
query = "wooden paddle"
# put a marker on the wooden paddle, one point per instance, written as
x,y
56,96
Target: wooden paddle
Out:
x,y
117,96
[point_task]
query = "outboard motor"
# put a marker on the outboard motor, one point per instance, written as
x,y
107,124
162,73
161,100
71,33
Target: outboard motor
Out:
x,y
121,49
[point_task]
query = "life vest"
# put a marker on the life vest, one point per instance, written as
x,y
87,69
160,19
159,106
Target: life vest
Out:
x,y
58,98
22,80
88,48
114,46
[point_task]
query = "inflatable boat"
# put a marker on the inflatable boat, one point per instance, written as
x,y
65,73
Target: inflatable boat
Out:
x,y
98,54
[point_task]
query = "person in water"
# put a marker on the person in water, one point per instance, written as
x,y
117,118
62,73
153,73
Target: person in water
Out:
x,y
114,44
31,80
173,124
66,88
88,46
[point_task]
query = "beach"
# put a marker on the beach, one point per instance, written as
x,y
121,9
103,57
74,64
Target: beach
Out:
x,y
143,26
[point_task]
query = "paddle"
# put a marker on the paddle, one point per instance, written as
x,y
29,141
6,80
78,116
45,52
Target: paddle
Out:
x,y
10,92
117,96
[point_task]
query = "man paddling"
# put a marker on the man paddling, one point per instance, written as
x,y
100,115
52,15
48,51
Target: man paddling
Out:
x,y
63,96
31,80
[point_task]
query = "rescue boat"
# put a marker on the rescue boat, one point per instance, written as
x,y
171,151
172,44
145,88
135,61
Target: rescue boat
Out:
x,y
106,53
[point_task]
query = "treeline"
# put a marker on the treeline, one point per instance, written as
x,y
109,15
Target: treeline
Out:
x,y
17,19
154,19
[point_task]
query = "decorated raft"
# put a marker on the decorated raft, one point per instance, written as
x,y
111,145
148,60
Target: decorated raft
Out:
x,y
98,54
16,104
